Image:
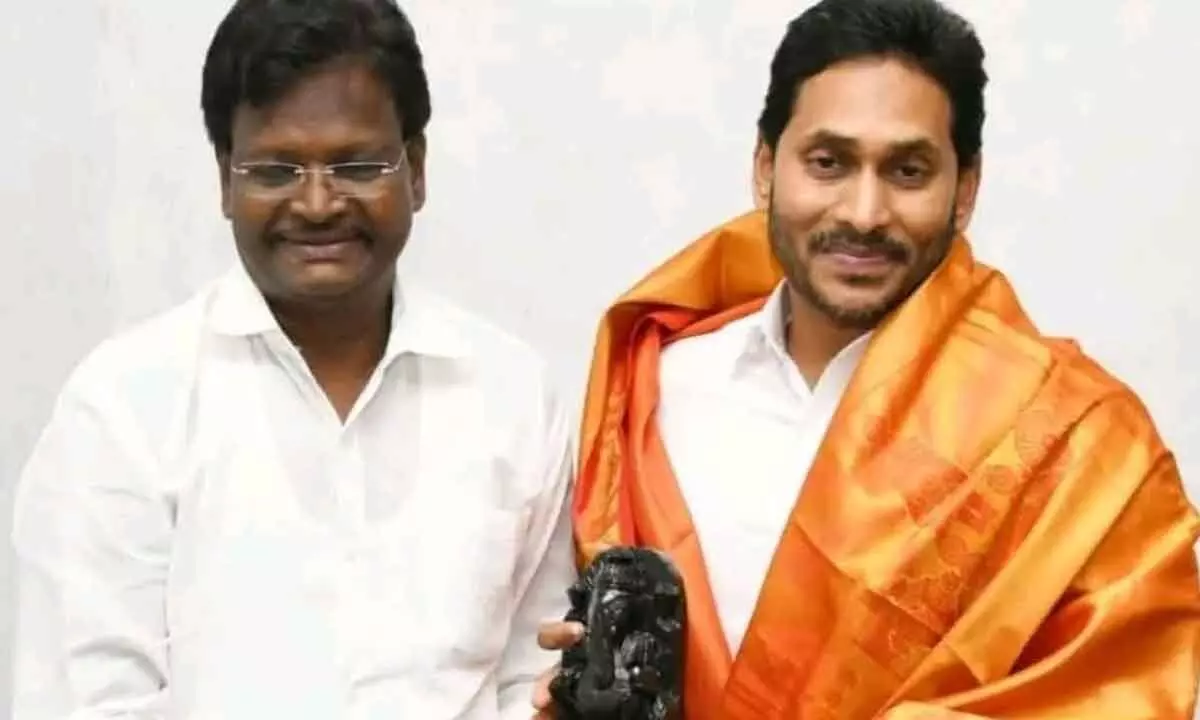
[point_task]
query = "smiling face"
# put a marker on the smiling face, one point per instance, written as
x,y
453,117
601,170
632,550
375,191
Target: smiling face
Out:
x,y
864,189
318,238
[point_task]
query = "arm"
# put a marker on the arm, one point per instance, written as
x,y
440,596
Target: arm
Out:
x,y
545,567
92,544
1123,641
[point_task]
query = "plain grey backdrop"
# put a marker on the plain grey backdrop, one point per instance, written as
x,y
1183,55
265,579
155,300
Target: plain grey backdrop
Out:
x,y
576,143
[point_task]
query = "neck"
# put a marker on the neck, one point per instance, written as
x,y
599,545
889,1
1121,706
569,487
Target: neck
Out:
x,y
813,340
343,338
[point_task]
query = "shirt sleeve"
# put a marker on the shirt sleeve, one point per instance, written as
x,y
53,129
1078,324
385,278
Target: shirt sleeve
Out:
x,y
92,542
545,567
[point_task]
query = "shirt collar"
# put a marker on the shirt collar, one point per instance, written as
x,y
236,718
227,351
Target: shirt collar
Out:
x,y
421,324
770,323
761,332
765,331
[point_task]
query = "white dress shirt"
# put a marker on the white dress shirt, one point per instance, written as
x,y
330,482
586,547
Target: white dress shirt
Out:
x,y
200,537
741,428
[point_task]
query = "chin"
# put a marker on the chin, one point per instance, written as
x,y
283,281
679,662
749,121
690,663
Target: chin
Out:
x,y
854,297
855,317
855,308
323,287
324,291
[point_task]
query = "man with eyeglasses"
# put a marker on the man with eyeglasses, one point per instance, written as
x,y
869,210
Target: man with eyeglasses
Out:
x,y
311,491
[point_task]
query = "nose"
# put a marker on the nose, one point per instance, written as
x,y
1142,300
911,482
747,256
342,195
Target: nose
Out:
x,y
315,200
865,203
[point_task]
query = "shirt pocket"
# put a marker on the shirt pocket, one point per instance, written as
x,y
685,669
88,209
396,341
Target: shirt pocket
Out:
x,y
463,556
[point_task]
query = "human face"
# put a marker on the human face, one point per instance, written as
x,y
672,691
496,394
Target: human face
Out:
x,y
314,241
863,189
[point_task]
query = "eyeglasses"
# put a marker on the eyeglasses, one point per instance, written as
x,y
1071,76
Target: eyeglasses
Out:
x,y
279,179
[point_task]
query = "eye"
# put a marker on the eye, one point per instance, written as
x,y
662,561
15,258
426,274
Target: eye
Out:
x,y
271,174
911,173
822,164
360,172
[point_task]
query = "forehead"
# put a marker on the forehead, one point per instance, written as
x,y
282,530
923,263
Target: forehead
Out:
x,y
875,101
334,108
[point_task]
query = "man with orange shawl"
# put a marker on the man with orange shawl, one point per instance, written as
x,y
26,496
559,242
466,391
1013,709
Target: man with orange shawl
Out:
x,y
888,494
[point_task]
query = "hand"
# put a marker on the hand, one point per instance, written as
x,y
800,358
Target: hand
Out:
x,y
552,636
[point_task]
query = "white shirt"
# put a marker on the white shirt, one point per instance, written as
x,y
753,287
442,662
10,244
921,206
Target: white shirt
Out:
x,y
741,428
199,536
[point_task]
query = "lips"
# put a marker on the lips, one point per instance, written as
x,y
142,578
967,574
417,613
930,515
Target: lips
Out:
x,y
323,247
324,239
882,252
860,253
860,261
861,257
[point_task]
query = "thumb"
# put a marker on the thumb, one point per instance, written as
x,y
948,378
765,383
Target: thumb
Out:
x,y
559,635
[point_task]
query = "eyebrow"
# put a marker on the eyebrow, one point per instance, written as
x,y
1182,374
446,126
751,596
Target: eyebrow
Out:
x,y
352,151
836,141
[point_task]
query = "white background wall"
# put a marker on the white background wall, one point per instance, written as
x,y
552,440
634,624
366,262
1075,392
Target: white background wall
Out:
x,y
574,144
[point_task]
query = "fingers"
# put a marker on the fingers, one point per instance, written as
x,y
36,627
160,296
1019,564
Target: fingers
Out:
x,y
559,635
552,636
542,701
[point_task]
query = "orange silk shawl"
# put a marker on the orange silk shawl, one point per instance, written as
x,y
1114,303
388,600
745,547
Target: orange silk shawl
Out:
x,y
991,527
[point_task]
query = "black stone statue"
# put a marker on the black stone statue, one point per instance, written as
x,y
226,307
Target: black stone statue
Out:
x,y
629,664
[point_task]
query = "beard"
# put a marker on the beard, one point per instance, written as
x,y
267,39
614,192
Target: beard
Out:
x,y
919,259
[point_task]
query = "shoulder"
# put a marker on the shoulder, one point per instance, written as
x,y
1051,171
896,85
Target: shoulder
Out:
x,y
1109,409
504,371
477,335
136,376
1065,400
495,389
1064,377
489,352
116,411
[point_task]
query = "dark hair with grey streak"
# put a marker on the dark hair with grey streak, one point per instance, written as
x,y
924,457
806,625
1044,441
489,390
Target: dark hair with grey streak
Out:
x,y
263,47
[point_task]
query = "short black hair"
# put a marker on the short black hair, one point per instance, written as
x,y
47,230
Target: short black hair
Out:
x,y
924,33
263,47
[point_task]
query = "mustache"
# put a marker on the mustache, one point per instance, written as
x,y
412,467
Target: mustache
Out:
x,y
850,241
